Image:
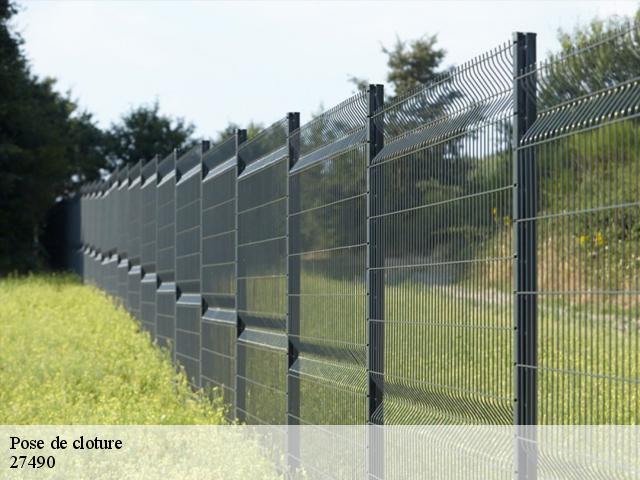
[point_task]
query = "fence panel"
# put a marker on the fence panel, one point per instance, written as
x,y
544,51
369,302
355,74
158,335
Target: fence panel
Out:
x,y
94,207
148,233
87,204
467,253
165,253
583,153
261,277
444,213
218,223
133,248
110,233
97,231
189,301
327,267
123,236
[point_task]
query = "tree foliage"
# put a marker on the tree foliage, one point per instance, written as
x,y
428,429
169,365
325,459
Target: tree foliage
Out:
x,y
143,133
568,75
410,63
47,146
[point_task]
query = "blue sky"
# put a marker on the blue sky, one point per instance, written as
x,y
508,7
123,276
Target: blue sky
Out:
x,y
216,62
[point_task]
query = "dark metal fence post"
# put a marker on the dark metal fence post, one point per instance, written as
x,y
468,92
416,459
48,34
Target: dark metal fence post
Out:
x,y
525,235
293,274
293,302
375,284
238,407
375,275
524,174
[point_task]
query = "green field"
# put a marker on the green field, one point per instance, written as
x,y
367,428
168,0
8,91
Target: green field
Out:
x,y
68,356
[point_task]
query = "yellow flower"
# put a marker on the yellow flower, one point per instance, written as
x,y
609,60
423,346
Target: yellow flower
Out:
x,y
598,239
494,211
583,239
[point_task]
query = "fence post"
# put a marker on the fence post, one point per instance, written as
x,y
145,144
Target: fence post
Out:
x,y
293,302
375,284
524,176
241,137
293,272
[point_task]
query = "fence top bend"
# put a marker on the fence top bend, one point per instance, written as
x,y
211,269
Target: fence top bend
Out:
x,y
149,171
570,100
190,160
267,147
134,174
219,157
332,132
455,103
167,167
123,176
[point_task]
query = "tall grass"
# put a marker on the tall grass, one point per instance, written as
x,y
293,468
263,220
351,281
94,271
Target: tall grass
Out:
x,y
69,356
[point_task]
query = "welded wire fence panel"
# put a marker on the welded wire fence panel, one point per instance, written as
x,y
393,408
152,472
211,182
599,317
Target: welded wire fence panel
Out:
x,y
261,277
93,209
189,301
111,218
123,238
468,253
443,207
148,234
88,215
218,223
83,231
98,201
583,151
165,253
327,268
133,246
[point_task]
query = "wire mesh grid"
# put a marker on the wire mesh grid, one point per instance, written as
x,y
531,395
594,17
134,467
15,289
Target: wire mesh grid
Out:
x,y
218,268
189,302
148,234
133,239
261,349
583,152
443,207
327,268
165,253
123,262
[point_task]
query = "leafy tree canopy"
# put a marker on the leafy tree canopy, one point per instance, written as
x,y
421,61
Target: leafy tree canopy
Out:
x,y
410,63
143,132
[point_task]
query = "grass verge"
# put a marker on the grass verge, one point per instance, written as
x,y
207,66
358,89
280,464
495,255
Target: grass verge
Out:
x,y
69,356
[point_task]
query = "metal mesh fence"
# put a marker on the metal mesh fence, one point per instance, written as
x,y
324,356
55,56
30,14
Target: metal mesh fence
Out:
x,y
165,253
464,253
133,239
582,156
218,223
148,234
327,268
123,240
110,236
189,302
444,210
261,350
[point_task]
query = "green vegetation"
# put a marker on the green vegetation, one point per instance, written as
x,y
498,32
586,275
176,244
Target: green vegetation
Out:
x,y
68,356
449,355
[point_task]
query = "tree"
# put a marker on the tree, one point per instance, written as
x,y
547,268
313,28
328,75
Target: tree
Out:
x,y
253,128
413,63
45,143
143,133
410,63
568,76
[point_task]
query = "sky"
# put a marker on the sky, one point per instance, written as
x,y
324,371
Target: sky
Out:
x,y
215,62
